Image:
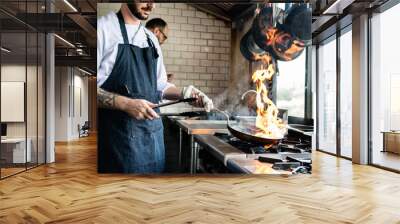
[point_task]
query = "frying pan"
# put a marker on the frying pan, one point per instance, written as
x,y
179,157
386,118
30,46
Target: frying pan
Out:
x,y
290,37
298,22
249,48
248,134
264,21
245,130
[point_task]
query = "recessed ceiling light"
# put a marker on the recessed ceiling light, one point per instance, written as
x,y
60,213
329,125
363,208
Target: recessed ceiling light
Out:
x,y
64,40
337,7
5,50
84,71
70,5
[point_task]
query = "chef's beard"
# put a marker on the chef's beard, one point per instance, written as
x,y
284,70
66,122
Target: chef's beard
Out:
x,y
135,11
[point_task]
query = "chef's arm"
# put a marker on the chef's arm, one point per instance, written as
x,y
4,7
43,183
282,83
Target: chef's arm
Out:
x,y
108,100
137,108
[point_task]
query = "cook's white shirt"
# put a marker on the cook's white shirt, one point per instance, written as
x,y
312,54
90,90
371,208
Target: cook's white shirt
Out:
x,y
109,36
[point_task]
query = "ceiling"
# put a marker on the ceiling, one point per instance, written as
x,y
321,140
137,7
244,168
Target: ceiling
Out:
x,y
75,23
326,13
226,11
333,15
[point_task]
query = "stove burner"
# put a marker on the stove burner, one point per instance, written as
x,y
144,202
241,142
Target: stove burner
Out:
x,y
286,145
291,153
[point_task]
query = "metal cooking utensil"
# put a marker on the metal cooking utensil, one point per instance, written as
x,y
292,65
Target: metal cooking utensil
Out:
x,y
240,133
238,129
187,100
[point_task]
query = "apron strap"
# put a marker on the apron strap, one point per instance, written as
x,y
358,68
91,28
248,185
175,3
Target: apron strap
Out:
x,y
125,34
151,44
122,27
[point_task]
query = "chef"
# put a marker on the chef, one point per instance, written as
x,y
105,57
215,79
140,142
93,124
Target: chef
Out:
x,y
131,80
160,29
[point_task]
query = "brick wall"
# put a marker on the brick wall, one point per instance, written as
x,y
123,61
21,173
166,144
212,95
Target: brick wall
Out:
x,y
198,47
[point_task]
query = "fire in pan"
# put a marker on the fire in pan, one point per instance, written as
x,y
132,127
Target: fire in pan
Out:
x,y
249,134
241,127
244,129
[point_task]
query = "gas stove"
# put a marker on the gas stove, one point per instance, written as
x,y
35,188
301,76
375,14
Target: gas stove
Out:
x,y
292,155
291,145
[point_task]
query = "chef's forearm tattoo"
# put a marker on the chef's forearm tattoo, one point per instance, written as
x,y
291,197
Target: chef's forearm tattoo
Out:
x,y
106,99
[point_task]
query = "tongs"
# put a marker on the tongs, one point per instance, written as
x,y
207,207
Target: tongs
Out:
x,y
187,100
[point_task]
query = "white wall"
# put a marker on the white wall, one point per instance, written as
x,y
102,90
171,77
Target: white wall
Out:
x,y
70,83
80,98
33,127
61,103
16,73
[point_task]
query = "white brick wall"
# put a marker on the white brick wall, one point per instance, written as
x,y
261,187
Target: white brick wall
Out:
x,y
198,47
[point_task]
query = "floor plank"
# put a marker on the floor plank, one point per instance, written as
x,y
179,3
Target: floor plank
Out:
x,y
70,191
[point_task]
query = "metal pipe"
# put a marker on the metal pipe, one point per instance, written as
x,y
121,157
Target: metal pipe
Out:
x,y
245,93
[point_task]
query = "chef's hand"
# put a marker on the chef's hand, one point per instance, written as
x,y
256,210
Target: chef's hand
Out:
x,y
202,99
140,109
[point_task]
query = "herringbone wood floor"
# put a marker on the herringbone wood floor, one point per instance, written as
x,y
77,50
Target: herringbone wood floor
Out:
x,y
70,191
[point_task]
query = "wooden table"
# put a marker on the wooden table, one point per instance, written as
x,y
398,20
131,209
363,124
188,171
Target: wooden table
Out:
x,y
391,141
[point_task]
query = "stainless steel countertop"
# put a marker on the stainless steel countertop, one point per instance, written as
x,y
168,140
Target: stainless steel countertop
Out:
x,y
178,108
218,148
229,155
202,127
300,131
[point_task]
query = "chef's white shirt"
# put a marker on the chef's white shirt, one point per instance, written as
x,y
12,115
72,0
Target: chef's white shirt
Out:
x,y
109,36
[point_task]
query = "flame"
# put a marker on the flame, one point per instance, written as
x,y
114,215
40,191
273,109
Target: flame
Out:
x,y
263,168
267,121
288,54
271,34
266,147
274,38
264,58
286,47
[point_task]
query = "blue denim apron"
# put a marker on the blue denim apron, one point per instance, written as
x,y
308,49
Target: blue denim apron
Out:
x,y
127,145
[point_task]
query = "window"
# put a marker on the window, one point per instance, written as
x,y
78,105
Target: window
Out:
x,y
291,85
385,87
327,96
291,82
346,94
22,66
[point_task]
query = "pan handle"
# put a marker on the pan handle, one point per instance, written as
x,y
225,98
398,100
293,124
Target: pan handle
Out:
x,y
224,113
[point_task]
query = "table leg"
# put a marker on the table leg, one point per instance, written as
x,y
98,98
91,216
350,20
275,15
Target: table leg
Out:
x,y
180,150
384,143
196,156
192,156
